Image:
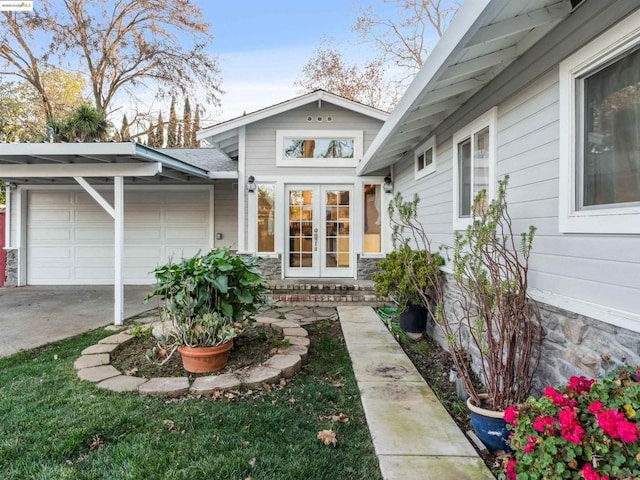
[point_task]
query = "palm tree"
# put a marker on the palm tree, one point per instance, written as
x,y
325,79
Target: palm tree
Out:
x,y
84,124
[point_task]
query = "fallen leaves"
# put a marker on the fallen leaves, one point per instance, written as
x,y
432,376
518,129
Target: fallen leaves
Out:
x,y
328,437
341,417
96,443
170,424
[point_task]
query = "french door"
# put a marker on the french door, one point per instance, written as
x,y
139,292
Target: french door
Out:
x,y
319,234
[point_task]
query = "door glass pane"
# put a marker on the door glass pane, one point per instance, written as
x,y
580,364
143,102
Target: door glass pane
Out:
x,y
611,133
266,218
372,219
464,180
480,162
337,228
301,228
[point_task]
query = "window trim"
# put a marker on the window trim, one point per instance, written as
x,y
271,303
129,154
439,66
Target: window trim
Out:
x,y
358,148
488,119
430,144
622,220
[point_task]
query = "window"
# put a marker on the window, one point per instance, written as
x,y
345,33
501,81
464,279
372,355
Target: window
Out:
x,y
600,140
266,218
372,218
318,148
425,159
473,165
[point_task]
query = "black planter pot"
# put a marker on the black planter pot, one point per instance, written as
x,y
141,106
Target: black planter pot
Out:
x,y
414,319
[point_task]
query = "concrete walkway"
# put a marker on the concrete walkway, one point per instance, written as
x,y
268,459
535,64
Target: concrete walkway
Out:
x,y
413,435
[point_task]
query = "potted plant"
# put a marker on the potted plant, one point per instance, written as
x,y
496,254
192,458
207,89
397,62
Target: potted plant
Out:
x,y
491,327
207,298
391,281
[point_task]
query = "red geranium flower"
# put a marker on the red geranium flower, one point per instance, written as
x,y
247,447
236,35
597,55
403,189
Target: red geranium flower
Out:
x,y
570,427
511,415
590,474
544,424
511,469
580,384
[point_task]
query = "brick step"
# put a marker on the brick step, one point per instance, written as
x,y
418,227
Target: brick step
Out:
x,y
318,292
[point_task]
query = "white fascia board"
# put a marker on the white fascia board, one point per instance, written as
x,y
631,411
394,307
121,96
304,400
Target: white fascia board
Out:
x,y
223,175
79,149
205,133
453,40
60,170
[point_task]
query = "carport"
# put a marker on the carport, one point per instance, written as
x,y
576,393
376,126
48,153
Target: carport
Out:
x,y
102,170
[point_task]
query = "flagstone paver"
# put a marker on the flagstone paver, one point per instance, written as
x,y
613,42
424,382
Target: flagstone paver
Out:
x,y
300,350
97,374
288,365
282,324
118,338
165,386
294,332
122,383
86,361
212,383
256,376
100,348
304,341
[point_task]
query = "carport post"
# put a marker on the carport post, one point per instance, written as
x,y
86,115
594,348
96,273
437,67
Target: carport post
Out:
x,y
118,294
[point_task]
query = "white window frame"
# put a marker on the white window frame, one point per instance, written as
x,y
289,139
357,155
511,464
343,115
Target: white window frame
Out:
x,y
358,148
422,150
253,219
589,59
488,119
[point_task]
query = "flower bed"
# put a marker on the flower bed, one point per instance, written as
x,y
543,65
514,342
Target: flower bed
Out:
x,y
587,430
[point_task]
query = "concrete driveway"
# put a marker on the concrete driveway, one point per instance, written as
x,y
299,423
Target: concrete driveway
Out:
x,y
34,316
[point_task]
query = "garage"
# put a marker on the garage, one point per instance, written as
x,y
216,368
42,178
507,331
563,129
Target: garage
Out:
x,y
70,238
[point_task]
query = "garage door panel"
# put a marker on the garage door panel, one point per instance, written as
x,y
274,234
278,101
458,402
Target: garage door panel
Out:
x,y
185,216
142,235
46,235
50,215
95,252
51,254
45,199
100,235
189,236
72,240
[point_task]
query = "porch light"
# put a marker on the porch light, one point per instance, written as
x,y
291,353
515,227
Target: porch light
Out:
x,y
251,184
388,185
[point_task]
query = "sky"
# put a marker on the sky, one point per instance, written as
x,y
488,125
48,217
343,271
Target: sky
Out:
x,y
263,46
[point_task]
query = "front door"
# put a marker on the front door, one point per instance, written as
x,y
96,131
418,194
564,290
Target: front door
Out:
x,y
319,238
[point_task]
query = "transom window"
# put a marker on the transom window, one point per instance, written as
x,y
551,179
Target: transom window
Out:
x,y
318,148
474,158
425,158
600,134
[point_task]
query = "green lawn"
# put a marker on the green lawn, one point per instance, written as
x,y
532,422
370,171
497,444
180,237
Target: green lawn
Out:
x,y
49,423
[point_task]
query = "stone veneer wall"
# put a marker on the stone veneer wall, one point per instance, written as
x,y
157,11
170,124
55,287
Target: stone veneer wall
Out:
x,y
573,344
11,279
271,267
367,267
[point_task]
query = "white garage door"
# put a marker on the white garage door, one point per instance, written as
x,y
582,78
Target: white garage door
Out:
x,y
70,237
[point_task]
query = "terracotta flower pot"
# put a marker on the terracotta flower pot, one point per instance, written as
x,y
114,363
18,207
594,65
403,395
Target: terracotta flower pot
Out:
x,y
205,359
489,426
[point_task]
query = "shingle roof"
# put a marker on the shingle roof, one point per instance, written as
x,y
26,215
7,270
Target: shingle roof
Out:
x,y
210,159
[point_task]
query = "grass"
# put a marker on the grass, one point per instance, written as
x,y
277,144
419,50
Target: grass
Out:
x,y
53,426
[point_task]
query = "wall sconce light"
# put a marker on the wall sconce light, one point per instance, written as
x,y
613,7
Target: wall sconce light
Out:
x,y
251,184
388,185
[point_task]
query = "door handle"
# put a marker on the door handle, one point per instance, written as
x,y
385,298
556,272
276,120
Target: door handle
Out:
x,y
315,239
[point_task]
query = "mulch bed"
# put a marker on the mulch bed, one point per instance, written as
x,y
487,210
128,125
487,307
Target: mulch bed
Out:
x,y
253,346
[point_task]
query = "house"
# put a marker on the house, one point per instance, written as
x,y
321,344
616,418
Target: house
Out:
x,y
547,92
280,183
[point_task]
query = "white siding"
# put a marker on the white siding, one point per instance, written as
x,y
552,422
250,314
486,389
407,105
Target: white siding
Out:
x,y
226,213
261,137
603,270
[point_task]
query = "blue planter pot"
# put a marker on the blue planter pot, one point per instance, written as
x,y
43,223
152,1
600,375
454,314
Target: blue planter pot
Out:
x,y
490,427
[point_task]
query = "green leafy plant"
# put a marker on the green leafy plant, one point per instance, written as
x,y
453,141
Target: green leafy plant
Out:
x,y
140,332
392,280
586,430
206,295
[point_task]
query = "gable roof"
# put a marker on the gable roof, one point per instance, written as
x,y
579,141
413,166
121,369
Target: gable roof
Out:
x,y
217,163
483,38
224,135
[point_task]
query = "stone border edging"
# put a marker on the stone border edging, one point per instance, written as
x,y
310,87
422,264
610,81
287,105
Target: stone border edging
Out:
x,y
94,366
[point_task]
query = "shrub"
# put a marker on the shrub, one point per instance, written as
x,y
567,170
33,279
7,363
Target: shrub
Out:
x,y
587,430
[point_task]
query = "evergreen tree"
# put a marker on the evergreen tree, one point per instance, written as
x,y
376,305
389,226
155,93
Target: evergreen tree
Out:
x,y
194,129
160,132
180,144
172,127
186,122
125,134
